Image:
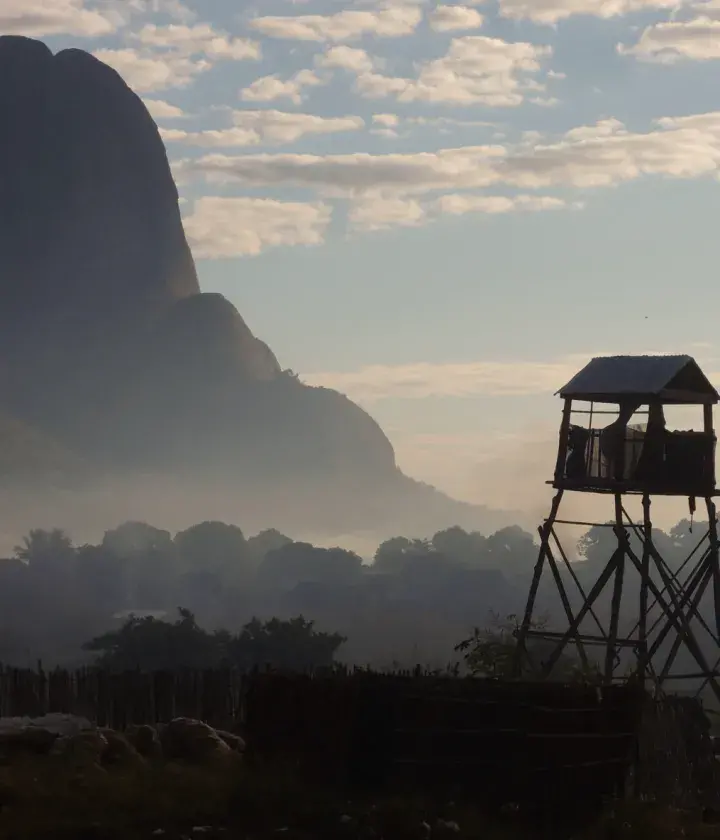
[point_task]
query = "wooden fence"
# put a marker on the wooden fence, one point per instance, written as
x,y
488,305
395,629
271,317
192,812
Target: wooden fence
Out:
x,y
545,745
119,699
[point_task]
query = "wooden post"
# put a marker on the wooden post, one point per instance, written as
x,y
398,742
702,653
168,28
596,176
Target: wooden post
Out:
x,y
645,574
545,532
617,593
563,441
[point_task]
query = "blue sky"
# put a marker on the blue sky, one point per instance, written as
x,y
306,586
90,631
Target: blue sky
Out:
x,y
440,209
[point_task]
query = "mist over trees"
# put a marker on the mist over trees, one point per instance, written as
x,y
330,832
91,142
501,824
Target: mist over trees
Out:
x,y
245,599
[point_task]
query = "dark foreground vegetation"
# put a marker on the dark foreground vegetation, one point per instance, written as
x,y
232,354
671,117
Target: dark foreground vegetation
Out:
x,y
44,801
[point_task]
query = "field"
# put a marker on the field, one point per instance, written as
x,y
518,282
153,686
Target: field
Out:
x,y
360,757
176,801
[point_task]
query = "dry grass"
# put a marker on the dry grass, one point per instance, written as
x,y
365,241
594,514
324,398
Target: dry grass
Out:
x,y
42,799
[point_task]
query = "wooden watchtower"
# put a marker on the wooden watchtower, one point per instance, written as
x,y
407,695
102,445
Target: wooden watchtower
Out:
x,y
601,452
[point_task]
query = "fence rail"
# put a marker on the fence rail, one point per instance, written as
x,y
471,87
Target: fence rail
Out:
x,y
553,746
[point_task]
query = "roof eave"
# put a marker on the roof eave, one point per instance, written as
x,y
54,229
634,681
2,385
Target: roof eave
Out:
x,y
665,396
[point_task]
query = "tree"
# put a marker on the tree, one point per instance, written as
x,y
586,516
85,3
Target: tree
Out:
x,y
213,547
294,563
491,651
264,542
151,644
45,548
393,554
102,578
469,549
133,538
512,550
286,645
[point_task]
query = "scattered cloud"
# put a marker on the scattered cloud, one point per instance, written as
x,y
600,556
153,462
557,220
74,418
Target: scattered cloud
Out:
x,y
237,227
358,173
392,22
476,69
146,73
270,88
174,9
371,213
669,42
552,11
598,155
379,213
455,204
161,110
41,18
346,58
266,127
386,120
453,18
510,378
200,39
462,379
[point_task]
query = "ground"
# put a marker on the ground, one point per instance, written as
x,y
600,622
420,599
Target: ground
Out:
x,y
43,799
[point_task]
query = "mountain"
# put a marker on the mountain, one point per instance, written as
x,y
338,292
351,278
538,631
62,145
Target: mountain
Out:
x,y
110,349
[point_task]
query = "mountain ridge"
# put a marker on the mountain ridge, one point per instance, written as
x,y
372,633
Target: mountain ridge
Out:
x,y
111,350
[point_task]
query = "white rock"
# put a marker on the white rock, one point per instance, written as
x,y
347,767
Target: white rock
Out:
x,y
57,723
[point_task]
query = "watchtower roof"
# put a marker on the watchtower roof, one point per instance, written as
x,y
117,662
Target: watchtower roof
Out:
x,y
671,379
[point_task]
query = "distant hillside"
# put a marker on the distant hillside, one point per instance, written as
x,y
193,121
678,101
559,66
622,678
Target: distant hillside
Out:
x,y
117,361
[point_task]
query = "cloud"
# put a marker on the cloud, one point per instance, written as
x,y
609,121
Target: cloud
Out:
x,y
391,22
378,213
358,173
552,11
173,55
598,155
161,110
383,212
270,88
483,377
254,128
236,227
386,120
462,379
146,73
200,39
697,40
476,69
41,18
460,204
607,153
175,9
346,58
452,18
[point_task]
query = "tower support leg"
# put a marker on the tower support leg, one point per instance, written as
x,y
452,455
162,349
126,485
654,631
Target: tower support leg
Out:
x,y
545,532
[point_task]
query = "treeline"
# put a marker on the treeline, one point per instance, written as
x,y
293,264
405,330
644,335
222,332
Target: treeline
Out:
x,y
151,644
410,605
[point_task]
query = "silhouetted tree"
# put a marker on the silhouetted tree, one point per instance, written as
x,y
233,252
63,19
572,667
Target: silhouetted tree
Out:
x,y
151,644
264,542
512,550
285,645
46,548
394,554
491,652
456,544
297,562
133,538
213,546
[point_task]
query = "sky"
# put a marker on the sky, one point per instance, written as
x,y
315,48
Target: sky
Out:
x,y
441,209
